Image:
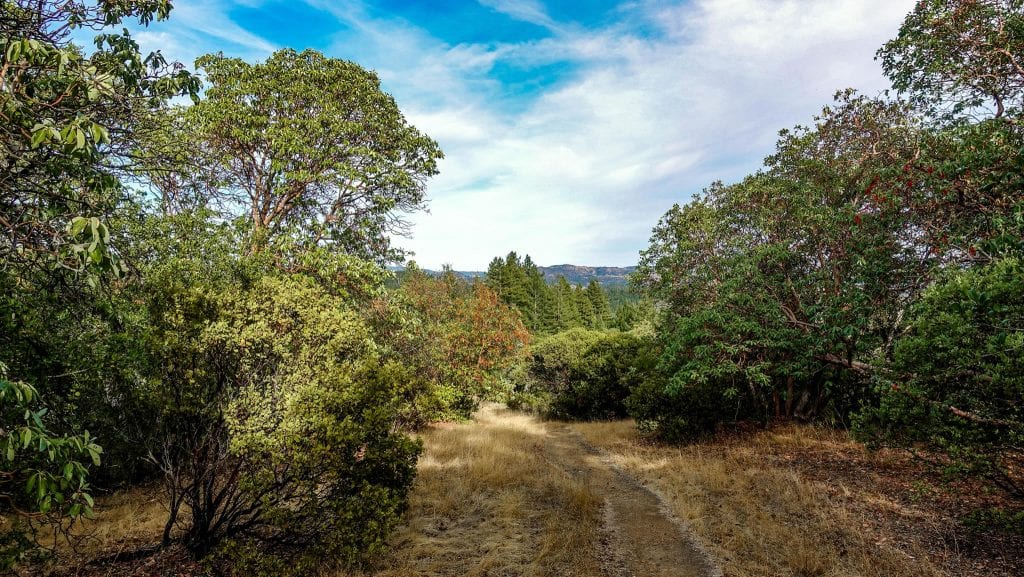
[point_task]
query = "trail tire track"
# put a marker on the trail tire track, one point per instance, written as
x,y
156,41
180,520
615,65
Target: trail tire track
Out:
x,y
640,536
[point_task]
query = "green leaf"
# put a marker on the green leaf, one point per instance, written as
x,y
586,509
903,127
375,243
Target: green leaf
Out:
x,y
99,134
13,51
39,135
77,225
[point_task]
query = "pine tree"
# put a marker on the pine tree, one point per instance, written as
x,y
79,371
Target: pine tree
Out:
x,y
535,286
495,278
599,302
516,290
548,321
586,308
568,313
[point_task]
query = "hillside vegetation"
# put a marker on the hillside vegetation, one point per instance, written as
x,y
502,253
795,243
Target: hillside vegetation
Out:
x,y
207,367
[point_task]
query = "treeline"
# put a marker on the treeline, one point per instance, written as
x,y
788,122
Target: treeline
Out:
x,y
549,308
195,296
585,355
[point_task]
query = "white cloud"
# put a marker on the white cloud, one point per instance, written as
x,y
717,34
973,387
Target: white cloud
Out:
x,y
581,170
583,173
210,18
526,10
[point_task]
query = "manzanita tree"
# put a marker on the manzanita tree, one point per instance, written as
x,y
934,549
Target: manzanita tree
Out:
x,y
960,57
872,263
301,145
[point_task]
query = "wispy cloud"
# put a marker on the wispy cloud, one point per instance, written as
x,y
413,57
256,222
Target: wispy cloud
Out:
x,y
526,10
585,169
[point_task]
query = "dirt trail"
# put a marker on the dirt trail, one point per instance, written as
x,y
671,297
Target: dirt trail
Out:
x,y
640,537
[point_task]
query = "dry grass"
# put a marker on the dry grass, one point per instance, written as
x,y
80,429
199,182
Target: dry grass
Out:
x,y
488,502
760,517
495,497
124,521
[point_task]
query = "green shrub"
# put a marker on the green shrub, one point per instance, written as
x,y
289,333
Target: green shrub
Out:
x,y
957,378
1010,522
676,415
588,374
279,425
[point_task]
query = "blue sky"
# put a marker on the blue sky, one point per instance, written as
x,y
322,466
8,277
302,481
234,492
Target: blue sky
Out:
x,y
569,128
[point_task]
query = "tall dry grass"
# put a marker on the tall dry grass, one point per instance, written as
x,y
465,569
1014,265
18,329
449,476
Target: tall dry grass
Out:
x,y
758,517
487,501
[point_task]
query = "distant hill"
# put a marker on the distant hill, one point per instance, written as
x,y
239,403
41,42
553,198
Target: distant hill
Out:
x,y
575,274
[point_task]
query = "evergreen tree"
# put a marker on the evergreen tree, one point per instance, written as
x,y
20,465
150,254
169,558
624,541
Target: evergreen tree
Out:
x,y
586,308
535,286
516,290
567,313
599,303
495,278
548,320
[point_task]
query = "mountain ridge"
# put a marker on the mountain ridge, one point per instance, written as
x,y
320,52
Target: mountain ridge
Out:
x,y
575,274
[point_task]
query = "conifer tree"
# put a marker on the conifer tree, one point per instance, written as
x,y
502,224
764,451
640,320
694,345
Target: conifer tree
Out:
x,y
586,308
495,278
548,321
568,313
599,302
516,290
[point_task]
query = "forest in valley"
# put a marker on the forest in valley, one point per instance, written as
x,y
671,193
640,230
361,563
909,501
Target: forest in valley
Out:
x,y
197,301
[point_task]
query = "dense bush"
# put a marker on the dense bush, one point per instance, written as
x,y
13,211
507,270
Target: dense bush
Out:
x,y
957,378
678,414
277,424
585,374
459,340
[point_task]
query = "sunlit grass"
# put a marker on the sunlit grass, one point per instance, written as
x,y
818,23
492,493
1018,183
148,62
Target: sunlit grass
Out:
x,y
759,518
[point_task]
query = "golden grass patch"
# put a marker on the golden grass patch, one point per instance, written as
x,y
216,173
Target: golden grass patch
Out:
x,y
488,502
758,517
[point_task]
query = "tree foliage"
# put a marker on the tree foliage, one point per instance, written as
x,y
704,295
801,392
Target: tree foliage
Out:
x,y
957,378
956,57
278,423
308,146
588,374
547,308
458,337
67,120
870,269
42,475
